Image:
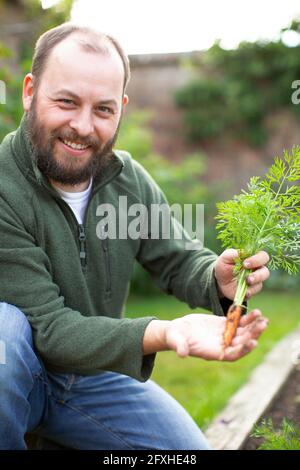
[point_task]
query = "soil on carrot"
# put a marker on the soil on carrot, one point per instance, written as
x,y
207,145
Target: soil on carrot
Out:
x,y
286,405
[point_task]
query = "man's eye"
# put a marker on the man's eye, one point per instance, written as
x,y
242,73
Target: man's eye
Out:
x,y
105,110
65,101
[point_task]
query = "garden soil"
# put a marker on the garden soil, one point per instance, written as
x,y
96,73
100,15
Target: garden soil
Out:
x,y
286,405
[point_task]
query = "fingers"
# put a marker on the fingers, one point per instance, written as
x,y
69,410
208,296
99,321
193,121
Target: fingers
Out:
x,y
256,261
255,281
252,331
251,327
257,276
233,353
253,262
250,321
249,318
251,291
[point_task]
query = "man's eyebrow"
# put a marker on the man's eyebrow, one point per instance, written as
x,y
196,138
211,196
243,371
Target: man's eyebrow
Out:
x,y
65,91
110,101
104,101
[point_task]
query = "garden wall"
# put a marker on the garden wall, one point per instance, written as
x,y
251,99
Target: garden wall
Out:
x,y
154,81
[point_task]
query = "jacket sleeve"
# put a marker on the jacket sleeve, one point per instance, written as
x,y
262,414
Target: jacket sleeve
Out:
x,y
185,273
66,339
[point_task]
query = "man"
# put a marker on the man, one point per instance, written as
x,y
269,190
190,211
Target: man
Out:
x,y
75,371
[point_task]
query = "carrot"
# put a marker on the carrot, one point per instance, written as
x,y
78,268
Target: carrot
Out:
x,y
232,321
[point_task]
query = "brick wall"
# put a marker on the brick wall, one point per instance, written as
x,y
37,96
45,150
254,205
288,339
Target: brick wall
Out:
x,y
154,80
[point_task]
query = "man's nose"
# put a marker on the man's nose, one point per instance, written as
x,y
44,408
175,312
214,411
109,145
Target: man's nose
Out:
x,y
82,123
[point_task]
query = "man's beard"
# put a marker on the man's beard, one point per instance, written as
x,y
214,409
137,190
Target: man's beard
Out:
x,y
67,173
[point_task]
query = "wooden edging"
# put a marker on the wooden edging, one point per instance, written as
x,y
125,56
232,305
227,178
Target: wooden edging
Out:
x,y
230,429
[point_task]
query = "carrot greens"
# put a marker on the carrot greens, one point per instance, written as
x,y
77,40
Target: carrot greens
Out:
x,y
266,216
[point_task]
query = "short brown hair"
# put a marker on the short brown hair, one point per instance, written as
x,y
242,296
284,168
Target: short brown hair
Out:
x,y
94,42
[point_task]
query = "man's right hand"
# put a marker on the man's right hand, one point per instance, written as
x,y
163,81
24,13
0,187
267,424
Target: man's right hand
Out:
x,y
201,335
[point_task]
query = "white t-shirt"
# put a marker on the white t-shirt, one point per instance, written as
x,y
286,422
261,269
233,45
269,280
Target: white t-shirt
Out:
x,y
77,201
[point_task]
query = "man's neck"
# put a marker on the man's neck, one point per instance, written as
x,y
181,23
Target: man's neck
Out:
x,y
71,188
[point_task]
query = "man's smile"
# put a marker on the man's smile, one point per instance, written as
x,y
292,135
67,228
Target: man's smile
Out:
x,y
74,148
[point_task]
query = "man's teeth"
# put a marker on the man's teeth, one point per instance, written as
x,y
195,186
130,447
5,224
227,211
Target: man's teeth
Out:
x,y
75,146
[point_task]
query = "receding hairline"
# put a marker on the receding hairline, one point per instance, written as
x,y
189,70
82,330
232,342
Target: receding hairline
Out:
x,y
90,40
91,43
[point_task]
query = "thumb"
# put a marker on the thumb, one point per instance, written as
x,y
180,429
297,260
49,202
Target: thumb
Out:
x,y
179,343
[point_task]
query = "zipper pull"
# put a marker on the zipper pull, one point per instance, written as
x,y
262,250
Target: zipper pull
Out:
x,y
82,240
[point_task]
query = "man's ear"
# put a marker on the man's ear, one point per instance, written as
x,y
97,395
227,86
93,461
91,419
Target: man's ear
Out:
x,y
125,100
27,91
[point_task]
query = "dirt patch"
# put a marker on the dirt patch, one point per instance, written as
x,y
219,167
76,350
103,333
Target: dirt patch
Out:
x,y
286,405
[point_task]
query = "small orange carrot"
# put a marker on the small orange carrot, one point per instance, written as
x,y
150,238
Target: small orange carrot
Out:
x,y
232,321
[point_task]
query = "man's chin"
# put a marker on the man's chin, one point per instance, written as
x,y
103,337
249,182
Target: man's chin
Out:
x,y
65,170
68,164
58,165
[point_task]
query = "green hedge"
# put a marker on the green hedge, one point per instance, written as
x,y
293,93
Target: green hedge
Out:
x,y
237,89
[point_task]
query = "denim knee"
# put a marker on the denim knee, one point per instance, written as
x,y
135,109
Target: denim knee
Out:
x,y
16,344
13,323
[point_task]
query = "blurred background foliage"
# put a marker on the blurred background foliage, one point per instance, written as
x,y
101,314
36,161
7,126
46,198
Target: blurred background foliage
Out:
x,y
11,113
236,89
182,182
41,19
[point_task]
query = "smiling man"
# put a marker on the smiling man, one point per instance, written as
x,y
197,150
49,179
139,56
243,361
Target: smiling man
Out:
x,y
76,371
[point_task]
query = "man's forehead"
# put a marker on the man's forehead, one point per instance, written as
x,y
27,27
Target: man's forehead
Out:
x,y
94,48
70,62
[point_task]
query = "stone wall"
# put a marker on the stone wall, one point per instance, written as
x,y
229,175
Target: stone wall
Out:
x,y
155,78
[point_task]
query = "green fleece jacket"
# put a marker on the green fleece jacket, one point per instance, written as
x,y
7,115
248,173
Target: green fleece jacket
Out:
x,y
71,284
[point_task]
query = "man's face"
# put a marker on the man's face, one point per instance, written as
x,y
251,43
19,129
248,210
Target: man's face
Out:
x,y
74,114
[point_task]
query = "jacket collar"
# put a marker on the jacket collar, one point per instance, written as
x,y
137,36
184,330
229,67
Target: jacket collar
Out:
x,y
23,154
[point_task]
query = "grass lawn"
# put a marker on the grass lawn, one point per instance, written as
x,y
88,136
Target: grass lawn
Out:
x,y
203,387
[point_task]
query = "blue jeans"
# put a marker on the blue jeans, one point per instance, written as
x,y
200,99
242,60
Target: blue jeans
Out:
x,y
108,411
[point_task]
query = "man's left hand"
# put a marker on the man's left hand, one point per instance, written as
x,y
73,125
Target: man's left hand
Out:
x,y
224,273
